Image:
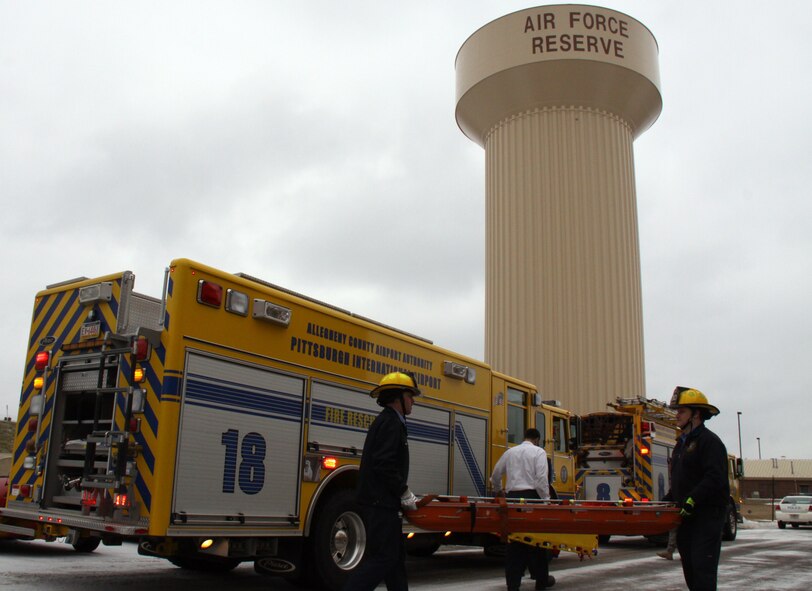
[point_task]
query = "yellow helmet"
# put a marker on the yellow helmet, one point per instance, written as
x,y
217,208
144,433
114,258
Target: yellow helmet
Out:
x,y
395,382
692,398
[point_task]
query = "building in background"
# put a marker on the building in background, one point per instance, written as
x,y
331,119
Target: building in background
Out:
x,y
776,478
8,429
556,95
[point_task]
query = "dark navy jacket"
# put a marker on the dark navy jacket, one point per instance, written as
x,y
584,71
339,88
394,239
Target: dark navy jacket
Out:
x,y
385,462
699,470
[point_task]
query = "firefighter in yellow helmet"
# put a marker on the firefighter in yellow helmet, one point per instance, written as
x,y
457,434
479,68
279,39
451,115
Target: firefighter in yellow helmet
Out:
x,y
699,485
383,488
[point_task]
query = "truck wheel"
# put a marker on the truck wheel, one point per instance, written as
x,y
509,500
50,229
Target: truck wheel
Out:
x,y
781,525
338,540
731,525
215,564
604,539
86,545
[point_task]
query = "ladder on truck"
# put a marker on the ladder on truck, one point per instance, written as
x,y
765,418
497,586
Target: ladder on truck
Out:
x,y
97,457
652,409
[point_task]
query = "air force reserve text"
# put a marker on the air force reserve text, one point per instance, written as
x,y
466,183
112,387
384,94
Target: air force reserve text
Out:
x,y
606,40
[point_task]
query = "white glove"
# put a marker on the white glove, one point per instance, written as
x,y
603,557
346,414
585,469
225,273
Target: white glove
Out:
x,y
408,501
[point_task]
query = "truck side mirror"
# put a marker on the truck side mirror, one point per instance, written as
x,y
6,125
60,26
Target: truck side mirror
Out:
x,y
740,467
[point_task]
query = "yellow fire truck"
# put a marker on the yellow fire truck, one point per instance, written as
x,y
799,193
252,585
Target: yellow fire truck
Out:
x,y
223,421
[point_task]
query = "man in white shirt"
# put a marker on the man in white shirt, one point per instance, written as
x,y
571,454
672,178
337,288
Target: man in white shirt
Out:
x,y
525,470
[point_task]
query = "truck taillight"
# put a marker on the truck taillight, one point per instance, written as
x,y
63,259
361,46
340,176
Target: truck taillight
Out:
x,y
644,451
32,424
121,500
329,463
36,404
22,490
39,382
41,360
138,374
141,349
90,497
647,428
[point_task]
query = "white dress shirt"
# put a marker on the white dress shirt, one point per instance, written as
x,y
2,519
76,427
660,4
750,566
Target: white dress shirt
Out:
x,y
525,466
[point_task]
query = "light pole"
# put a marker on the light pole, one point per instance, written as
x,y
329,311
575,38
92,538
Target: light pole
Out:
x,y
739,420
758,439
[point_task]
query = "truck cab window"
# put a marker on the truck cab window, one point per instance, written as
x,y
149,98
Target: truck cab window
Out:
x,y
541,425
560,434
516,415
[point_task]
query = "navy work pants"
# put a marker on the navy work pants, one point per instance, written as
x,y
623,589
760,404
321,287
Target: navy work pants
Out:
x,y
521,556
699,541
385,554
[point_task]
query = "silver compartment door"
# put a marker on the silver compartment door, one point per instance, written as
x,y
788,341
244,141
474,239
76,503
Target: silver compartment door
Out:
x,y
428,450
239,441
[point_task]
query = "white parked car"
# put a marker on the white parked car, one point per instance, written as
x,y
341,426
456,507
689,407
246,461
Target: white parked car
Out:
x,y
795,510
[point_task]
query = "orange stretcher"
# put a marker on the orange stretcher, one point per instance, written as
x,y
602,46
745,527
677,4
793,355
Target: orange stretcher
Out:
x,y
506,516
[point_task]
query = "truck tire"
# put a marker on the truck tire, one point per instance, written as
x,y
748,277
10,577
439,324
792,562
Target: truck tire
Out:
x,y
338,540
731,527
86,545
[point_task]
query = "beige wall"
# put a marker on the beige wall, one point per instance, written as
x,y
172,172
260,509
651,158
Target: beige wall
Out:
x,y
8,429
563,293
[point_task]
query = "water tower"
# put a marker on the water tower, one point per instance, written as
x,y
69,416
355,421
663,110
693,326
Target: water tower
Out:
x,y
556,95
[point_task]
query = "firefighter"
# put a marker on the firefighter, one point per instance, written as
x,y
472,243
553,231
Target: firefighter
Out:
x,y
382,487
699,485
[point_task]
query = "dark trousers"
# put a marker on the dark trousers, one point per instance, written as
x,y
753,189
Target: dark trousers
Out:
x,y
521,556
385,554
699,541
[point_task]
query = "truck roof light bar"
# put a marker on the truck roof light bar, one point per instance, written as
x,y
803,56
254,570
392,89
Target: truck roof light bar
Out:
x,y
264,310
100,292
452,369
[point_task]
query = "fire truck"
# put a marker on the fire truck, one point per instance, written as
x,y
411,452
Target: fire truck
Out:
x,y
223,422
625,454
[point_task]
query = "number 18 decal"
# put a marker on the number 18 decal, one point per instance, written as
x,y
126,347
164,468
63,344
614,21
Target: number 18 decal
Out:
x,y
252,467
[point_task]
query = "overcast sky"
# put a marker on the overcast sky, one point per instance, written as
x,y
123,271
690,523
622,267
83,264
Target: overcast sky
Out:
x,y
313,144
